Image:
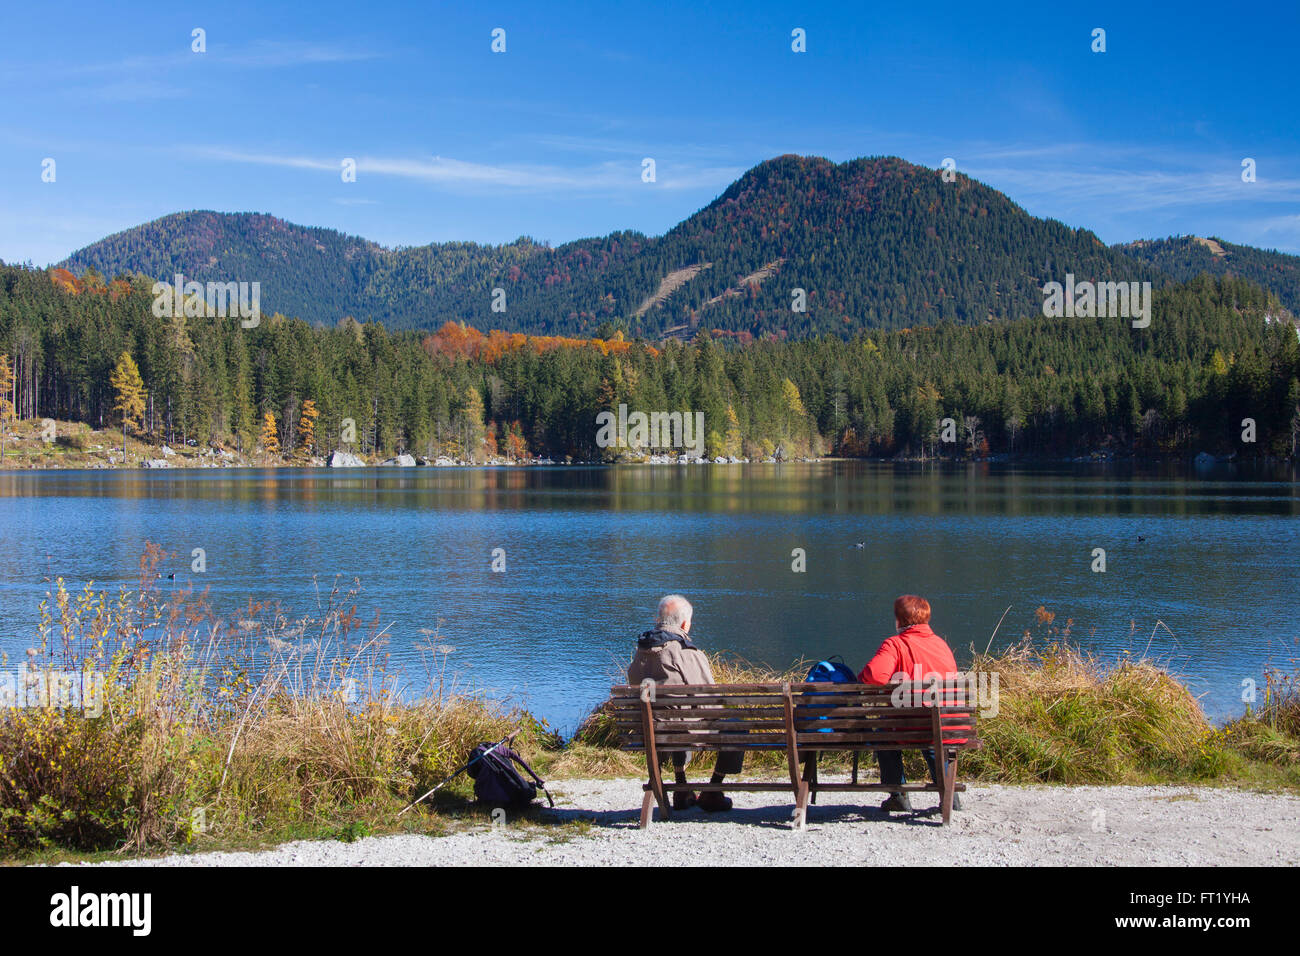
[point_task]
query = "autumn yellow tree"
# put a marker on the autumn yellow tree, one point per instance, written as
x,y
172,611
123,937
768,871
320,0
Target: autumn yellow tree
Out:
x,y
792,399
307,429
270,437
734,442
796,416
6,401
128,387
472,426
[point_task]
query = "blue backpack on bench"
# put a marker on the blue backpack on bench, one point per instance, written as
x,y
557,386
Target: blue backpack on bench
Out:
x,y
833,670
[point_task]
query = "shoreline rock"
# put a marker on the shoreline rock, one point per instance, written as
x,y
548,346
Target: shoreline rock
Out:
x,y
344,459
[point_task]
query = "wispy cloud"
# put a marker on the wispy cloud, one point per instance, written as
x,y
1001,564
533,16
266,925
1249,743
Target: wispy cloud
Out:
x,y
131,91
263,54
143,78
1122,177
637,147
455,173
1134,190
1276,232
286,53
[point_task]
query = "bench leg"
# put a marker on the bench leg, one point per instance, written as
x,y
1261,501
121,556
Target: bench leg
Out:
x,y
798,784
657,788
801,806
665,804
810,773
948,779
647,808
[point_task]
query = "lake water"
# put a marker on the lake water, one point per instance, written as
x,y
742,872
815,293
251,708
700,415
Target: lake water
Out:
x,y
589,551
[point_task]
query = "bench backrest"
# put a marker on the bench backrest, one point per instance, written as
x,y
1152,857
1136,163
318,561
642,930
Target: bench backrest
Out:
x,y
822,716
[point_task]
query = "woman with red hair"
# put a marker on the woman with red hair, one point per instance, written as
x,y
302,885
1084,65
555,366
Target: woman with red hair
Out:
x,y
912,654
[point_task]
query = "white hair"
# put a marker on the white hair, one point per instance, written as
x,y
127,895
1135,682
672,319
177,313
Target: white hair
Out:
x,y
674,610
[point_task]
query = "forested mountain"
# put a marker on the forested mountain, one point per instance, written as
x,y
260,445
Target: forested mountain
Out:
x,y
1035,386
319,274
1183,257
873,243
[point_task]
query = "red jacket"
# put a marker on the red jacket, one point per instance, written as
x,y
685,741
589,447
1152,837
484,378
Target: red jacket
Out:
x,y
916,652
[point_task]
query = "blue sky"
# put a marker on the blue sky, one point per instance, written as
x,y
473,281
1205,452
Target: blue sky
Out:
x,y
453,141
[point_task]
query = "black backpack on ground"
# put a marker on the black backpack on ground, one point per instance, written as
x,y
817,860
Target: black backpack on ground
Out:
x,y
498,783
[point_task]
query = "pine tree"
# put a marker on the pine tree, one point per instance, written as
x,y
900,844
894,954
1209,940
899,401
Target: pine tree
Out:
x,y
795,414
1291,411
129,389
244,415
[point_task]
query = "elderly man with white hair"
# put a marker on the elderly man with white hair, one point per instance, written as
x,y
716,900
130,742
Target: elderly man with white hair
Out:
x,y
667,656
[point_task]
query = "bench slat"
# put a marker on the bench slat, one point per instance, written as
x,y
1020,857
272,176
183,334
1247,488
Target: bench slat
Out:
x,y
714,741
717,700
837,711
749,702
849,745
832,787
883,725
963,721
855,787
629,690
742,730
691,746
676,709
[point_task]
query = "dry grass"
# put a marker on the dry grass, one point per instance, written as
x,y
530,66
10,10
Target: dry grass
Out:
x,y
211,729
1066,717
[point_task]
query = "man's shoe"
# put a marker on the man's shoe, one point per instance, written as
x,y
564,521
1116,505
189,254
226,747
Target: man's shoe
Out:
x,y
683,800
897,803
713,801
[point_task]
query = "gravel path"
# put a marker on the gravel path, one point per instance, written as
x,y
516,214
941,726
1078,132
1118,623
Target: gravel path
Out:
x,y
1000,825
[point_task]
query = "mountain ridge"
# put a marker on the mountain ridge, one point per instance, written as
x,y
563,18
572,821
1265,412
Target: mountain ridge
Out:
x,y
875,242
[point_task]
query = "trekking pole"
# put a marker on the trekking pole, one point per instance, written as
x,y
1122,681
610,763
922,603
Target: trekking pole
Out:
x,y
445,780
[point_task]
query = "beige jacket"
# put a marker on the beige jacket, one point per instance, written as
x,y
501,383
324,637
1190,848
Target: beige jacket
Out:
x,y
669,661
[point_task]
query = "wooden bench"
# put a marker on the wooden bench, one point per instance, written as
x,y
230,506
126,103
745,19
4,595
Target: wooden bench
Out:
x,y
803,720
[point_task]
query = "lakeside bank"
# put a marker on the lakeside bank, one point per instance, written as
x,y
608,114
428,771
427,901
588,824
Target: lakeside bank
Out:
x,y
194,748
48,445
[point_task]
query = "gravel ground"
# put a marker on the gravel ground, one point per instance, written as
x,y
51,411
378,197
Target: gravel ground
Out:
x,y
999,825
